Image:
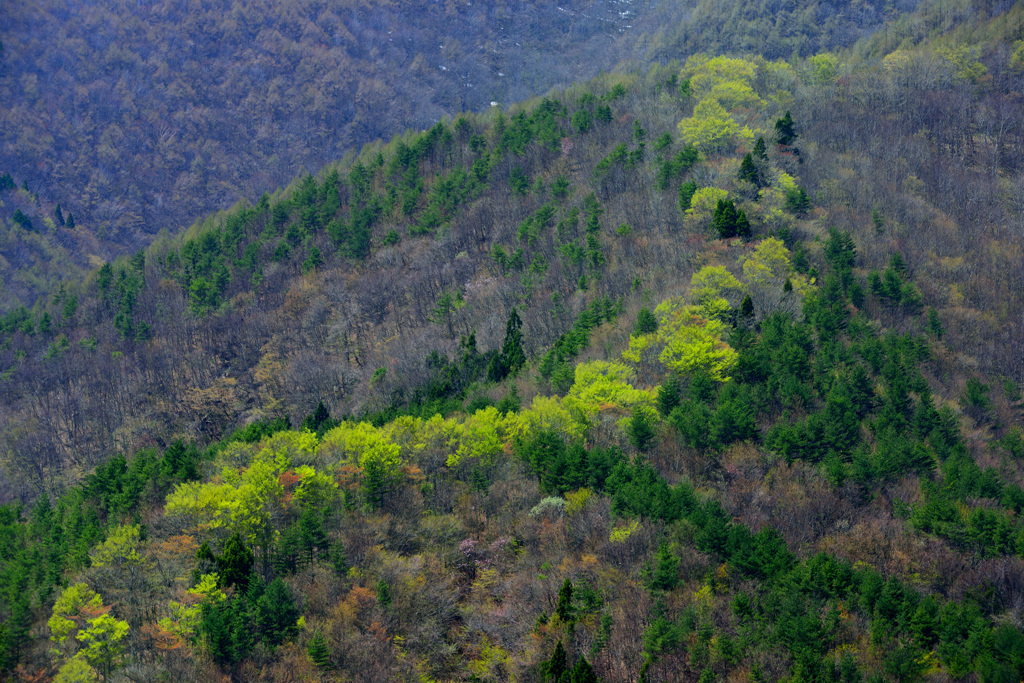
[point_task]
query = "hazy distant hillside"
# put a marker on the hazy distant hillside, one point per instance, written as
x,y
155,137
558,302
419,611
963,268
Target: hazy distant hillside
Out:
x,y
146,116
142,116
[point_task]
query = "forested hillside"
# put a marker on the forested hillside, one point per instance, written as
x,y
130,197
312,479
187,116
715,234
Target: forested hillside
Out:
x,y
148,116
707,372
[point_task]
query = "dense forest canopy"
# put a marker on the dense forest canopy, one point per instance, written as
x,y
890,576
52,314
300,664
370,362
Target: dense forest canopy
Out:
x,y
709,370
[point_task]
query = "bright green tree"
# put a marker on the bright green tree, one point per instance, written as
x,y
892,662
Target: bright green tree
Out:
x,y
690,342
101,640
712,130
76,670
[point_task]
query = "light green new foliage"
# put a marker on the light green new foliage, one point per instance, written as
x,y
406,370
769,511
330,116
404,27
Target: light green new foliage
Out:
x,y
76,670
69,607
712,130
120,548
689,341
315,489
348,441
824,68
715,291
1017,60
602,385
492,664
80,611
620,533
249,487
767,270
480,438
770,264
735,95
256,488
209,505
185,619
964,62
550,413
704,74
382,457
704,201
102,642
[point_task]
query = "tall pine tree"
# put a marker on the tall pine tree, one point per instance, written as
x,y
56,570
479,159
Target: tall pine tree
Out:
x,y
511,358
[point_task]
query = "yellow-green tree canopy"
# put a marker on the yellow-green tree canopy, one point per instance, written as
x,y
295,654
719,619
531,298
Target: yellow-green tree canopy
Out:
x,y
80,611
348,442
963,61
704,201
120,548
186,617
101,640
824,68
255,481
76,603
704,73
549,413
76,670
482,436
1017,60
735,95
715,291
767,270
690,342
712,130
603,385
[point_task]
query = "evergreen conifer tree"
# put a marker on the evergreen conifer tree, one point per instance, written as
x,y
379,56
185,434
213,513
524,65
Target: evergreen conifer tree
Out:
x,y
58,216
319,653
784,133
747,307
512,357
70,224
724,219
640,430
935,324
686,192
742,225
759,150
748,171
314,540
339,560
277,614
235,564
646,323
555,668
668,394
316,418
564,608
582,672
666,570
383,593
